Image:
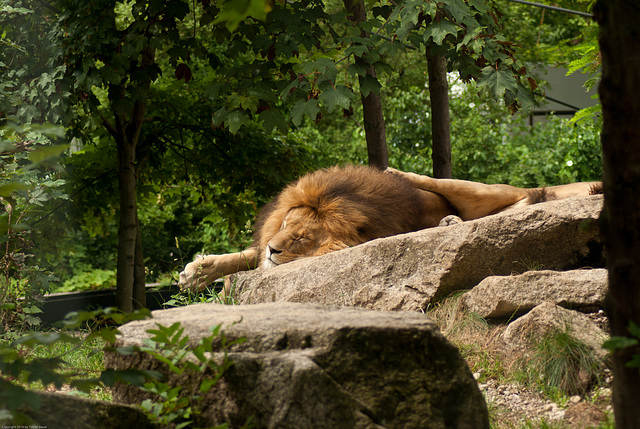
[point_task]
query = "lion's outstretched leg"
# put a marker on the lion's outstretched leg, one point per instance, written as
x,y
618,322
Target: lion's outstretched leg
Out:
x,y
205,269
471,200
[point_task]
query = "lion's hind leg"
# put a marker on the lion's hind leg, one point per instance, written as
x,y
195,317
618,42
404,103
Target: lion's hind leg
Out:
x,y
471,200
206,269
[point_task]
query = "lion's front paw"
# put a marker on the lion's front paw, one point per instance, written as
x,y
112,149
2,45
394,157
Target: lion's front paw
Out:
x,y
192,277
450,220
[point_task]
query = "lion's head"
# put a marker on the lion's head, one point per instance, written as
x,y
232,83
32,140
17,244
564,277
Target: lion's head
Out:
x,y
301,234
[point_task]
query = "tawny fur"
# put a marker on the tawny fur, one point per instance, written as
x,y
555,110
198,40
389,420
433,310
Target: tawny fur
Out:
x,y
354,205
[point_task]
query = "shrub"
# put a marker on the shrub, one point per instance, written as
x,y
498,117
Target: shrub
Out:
x,y
29,184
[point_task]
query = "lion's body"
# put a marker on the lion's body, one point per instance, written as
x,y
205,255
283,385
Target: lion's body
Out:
x,y
331,209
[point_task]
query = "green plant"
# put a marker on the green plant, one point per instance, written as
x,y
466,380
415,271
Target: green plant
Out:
x,y
29,183
560,365
620,343
89,280
42,359
182,405
24,365
211,294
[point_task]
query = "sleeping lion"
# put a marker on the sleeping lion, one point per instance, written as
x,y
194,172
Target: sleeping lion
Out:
x,y
338,207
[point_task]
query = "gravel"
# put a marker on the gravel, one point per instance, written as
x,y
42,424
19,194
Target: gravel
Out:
x,y
514,405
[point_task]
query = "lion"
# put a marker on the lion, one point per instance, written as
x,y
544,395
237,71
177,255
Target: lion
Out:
x,y
338,207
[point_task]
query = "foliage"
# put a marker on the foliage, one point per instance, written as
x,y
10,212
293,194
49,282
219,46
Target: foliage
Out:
x,y
544,154
552,38
308,59
211,294
203,184
23,363
91,279
29,186
182,405
468,34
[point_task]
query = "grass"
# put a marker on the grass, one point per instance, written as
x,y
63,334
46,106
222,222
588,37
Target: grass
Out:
x,y
556,365
210,294
560,365
84,359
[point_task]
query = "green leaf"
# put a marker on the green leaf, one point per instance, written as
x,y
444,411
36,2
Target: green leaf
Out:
x,y
235,120
358,68
634,329
304,107
332,97
46,153
458,9
634,362
272,118
235,11
10,188
438,30
369,84
207,384
617,343
49,130
136,377
44,338
497,81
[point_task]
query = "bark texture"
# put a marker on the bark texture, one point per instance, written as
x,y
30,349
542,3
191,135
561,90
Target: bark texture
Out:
x,y
619,89
439,96
130,277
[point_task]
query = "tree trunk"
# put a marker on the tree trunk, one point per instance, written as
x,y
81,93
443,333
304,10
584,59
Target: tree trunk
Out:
x,y
128,229
130,276
439,96
620,219
374,126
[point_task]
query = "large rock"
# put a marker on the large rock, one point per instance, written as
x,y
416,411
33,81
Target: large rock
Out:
x,y
308,366
510,296
409,271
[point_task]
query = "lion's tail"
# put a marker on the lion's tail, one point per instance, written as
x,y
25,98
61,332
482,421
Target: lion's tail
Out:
x,y
596,189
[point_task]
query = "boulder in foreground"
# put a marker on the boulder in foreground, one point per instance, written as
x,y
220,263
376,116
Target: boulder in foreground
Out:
x,y
310,366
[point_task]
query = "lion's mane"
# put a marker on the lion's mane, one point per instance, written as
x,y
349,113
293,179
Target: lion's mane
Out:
x,y
355,204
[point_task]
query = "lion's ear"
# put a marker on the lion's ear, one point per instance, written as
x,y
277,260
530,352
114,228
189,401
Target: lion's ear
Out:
x,y
331,247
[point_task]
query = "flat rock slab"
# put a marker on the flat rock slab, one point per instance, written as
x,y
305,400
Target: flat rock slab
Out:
x,y
310,366
511,296
410,271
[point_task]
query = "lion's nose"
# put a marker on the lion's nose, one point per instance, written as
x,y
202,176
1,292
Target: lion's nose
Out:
x,y
272,251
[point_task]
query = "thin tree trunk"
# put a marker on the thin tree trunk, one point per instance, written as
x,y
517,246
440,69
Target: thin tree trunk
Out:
x,y
373,118
439,96
620,219
128,229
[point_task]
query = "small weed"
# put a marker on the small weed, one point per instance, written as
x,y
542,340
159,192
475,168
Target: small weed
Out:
x,y
211,294
455,322
560,365
529,264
